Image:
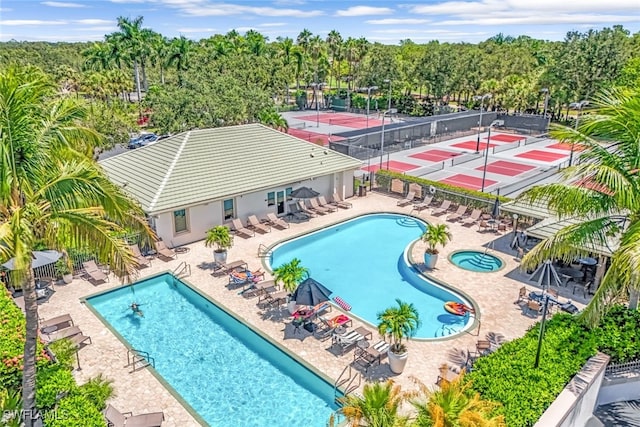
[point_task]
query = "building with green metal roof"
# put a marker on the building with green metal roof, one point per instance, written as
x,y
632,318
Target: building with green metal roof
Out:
x,y
195,180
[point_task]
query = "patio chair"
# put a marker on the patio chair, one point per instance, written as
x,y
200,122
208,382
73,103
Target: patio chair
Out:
x,y
241,230
60,322
371,355
483,347
324,330
116,418
408,199
314,206
323,203
523,295
163,251
59,334
302,208
442,209
273,300
367,334
295,212
424,204
347,340
277,222
535,307
337,201
473,218
226,268
340,320
94,272
446,375
260,288
584,287
141,260
256,225
457,215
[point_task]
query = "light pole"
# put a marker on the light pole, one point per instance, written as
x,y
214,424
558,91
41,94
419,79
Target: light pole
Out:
x,y
481,99
388,81
578,106
486,153
382,135
368,89
317,86
545,296
546,100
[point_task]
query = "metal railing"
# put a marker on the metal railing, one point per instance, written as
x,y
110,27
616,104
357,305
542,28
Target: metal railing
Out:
x,y
347,379
139,359
182,270
617,370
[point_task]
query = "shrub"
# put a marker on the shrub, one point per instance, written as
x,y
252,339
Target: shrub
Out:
x,y
97,390
75,411
617,334
53,382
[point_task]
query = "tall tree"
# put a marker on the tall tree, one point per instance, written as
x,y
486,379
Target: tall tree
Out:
x,y
52,192
180,52
131,39
378,407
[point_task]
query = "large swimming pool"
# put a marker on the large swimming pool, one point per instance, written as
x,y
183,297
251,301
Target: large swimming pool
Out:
x,y
364,261
226,372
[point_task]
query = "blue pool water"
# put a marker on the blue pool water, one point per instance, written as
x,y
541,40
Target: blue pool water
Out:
x,y
363,261
477,261
227,373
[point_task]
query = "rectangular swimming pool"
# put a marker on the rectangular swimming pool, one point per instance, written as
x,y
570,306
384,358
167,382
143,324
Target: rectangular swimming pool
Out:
x,y
226,372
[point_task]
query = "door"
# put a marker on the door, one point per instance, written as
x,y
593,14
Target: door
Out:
x,y
280,202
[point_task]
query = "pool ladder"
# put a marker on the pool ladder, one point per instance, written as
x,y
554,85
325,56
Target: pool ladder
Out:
x,y
182,270
264,251
139,359
346,377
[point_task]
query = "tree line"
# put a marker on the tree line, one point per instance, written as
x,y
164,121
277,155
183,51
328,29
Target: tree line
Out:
x,y
237,78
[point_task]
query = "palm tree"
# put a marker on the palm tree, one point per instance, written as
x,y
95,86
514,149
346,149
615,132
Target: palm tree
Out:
x,y
602,191
130,38
378,406
399,322
180,55
454,404
290,274
52,192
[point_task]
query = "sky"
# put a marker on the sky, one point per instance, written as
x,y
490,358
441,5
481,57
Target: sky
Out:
x,y
381,21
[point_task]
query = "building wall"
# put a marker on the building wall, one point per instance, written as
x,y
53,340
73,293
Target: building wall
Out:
x,y
200,218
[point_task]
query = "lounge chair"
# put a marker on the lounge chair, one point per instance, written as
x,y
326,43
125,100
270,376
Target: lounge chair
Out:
x,y
314,206
273,300
302,208
295,212
64,333
323,203
443,208
226,268
277,222
473,218
241,230
260,288
457,215
337,201
163,251
60,322
371,355
255,224
424,204
408,199
346,340
140,259
116,418
94,272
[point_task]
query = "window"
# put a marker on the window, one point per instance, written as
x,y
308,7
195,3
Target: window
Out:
x,y
228,209
288,193
180,221
271,198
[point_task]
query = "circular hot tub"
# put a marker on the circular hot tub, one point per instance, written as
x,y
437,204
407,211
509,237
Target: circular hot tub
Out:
x,y
478,261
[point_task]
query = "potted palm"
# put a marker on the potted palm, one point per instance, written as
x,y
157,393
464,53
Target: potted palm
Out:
x,y
63,270
290,274
398,323
435,235
220,237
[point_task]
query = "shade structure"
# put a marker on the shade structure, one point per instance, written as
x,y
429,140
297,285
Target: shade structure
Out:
x,y
40,258
304,193
310,292
495,212
545,275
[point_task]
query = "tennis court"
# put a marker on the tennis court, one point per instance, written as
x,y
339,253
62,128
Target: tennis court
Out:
x,y
313,136
507,138
541,155
566,146
435,155
503,167
471,145
392,165
356,121
467,181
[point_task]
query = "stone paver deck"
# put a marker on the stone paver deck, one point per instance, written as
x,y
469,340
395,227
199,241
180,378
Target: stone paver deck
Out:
x,y
142,392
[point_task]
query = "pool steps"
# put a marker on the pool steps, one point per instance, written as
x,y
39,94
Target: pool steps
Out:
x,y
346,377
139,359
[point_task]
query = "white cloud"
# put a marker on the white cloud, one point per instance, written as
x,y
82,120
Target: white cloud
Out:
x,y
243,29
5,9
272,24
289,2
62,4
398,21
127,1
94,22
30,22
208,8
188,30
53,37
590,21
541,7
364,11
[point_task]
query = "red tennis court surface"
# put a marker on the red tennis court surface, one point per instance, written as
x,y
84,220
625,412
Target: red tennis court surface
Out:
x,y
391,165
565,146
507,138
435,155
540,155
471,145
502,167
467,181
347,120
313,136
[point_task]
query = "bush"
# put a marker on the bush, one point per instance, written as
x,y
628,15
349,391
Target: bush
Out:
x,y
617,334
97,390
75,411
53,382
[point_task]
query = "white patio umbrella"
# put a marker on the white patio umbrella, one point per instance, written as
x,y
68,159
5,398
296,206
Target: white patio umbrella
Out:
x,y
40,258
545,275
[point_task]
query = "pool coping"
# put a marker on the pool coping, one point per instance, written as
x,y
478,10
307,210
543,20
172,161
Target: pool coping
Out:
x,y
503,264
412,264
224,308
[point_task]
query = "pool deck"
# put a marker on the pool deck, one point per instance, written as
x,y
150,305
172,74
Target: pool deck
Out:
x,y
141,392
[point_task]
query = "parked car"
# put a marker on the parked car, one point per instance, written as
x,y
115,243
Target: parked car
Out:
x,y
142,140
